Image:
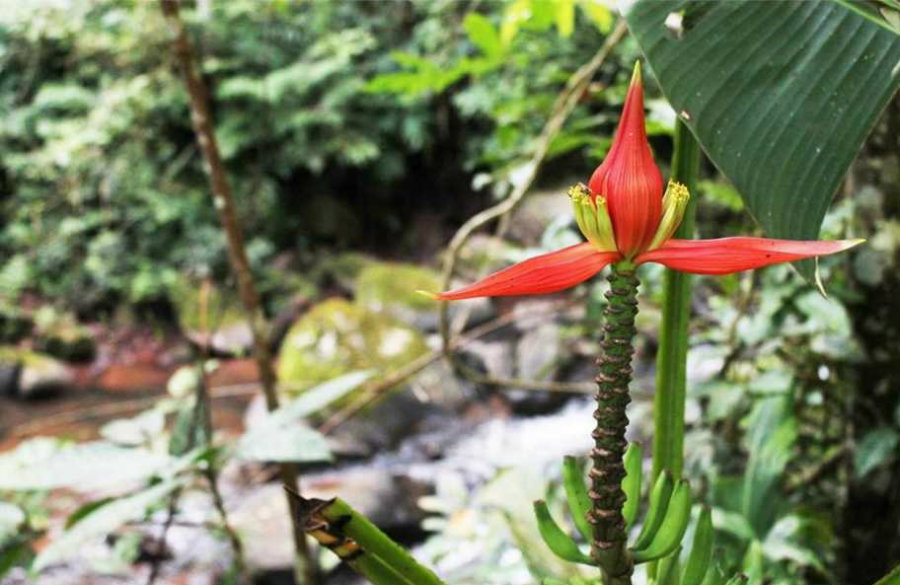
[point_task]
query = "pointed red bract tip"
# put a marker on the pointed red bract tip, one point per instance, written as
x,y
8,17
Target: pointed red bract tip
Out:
x,y
729,255
543,274
629,178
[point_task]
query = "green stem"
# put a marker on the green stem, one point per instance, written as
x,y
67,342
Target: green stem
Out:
x,y
671,361
609,545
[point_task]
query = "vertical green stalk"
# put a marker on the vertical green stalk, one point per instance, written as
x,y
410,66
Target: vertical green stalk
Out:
x,y
671,361
609,546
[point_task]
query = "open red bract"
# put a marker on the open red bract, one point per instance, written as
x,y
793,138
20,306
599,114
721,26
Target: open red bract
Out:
x,y
626,206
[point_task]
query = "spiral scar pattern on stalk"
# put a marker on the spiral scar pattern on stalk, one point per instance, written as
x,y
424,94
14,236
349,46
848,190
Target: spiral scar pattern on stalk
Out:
x,y
609,543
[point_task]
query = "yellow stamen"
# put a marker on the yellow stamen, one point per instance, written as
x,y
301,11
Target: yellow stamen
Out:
x,y
675,202
592,217
604,224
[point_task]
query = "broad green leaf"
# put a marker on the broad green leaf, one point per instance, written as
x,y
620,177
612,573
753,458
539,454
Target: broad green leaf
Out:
x,y
282,436
45,464
100,522
780,94
483,34
318,397
876,448
732,523
294,442
86,510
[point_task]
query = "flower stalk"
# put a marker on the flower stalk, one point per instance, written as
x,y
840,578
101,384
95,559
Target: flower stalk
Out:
x,y
671,359
609,544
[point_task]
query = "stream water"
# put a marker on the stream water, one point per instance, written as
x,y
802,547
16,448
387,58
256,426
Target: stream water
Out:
x,y
415,448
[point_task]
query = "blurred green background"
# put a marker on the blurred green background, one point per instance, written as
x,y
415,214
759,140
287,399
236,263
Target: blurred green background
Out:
x,y
358,137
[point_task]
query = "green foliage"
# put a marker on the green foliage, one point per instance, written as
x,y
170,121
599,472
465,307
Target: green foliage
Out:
x,y
877,447
14,536
101,521
512,79
772,535
151,457
12,518
891,578
740,94
310,107
359,543
44,464
664,526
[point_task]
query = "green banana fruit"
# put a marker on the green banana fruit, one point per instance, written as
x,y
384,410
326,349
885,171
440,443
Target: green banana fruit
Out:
x,y
754,562
701,550
667,569
631,485
659,501
672,528
577,496
557,540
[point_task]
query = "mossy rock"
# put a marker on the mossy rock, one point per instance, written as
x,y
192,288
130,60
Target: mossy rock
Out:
x,y
72,344
336,337
222,307
389,286
225,330
27,373
343,268
61,336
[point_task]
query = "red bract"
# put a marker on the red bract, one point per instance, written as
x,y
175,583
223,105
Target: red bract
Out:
x,y
625,215
629,179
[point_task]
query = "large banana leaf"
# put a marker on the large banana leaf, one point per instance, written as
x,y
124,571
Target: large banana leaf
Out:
x,y
780,94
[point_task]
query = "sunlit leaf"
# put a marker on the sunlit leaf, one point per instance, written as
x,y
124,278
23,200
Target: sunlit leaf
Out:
x,y
598,13
483,34
565,17
283,436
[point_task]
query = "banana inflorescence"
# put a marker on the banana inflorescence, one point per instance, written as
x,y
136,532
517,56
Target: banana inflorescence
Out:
x,y
659,540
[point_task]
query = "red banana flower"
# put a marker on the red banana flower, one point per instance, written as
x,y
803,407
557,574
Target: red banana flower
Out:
x,y
625,215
